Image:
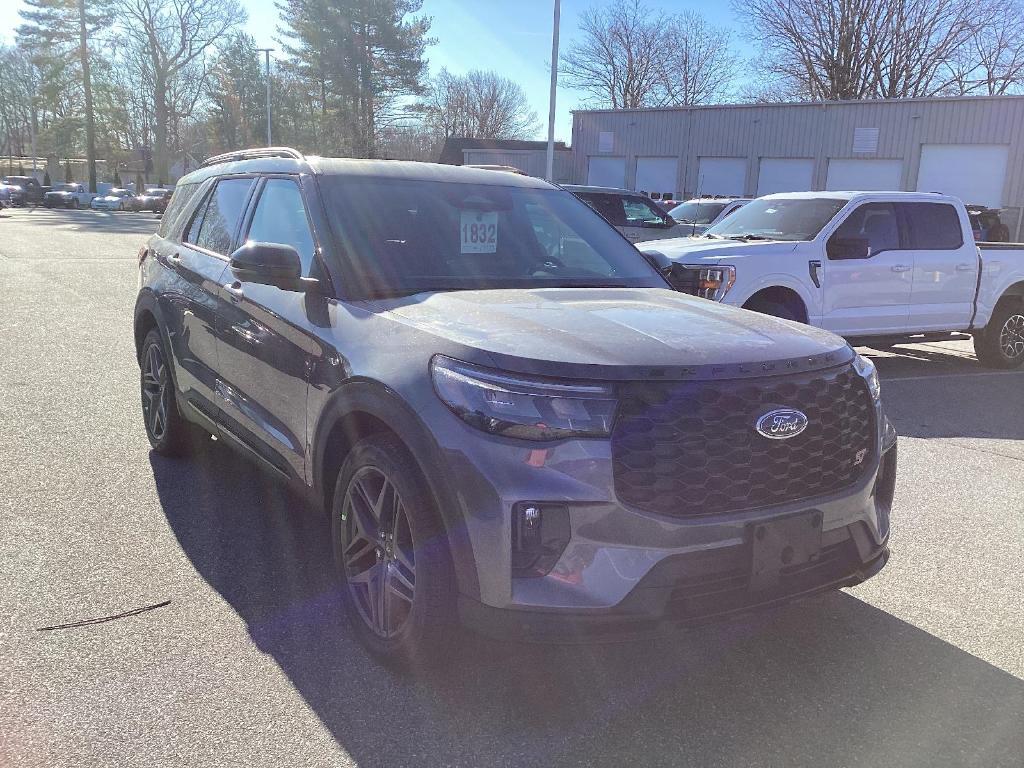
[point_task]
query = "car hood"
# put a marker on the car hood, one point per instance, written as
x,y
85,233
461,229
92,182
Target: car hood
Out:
x,y
700,249
613,333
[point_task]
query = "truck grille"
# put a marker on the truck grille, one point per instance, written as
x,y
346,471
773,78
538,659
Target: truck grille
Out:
x,y
690,448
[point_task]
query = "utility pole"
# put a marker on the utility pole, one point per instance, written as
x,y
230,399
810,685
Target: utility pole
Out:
x,y
266,52
550,173
90,128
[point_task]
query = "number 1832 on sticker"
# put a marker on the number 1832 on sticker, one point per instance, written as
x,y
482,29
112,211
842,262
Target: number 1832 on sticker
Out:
x,y
479,232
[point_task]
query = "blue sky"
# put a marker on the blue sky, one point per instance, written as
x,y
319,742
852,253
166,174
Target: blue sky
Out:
x,y
511,38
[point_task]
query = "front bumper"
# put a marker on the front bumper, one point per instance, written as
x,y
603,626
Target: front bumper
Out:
x,y
627,572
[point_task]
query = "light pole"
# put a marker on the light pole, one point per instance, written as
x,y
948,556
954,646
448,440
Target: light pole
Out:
x,y
266,52
550,174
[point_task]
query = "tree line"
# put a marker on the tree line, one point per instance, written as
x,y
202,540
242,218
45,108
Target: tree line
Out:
x,y
159,82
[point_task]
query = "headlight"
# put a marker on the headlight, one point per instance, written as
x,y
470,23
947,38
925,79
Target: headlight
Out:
x,y
516,406
869,373
714,282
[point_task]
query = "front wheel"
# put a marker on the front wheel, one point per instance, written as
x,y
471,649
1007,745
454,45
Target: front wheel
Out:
x,y
775,309
74,204
392,557
1001,344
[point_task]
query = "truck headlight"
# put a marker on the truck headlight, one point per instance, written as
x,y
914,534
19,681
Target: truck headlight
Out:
x,y
516,406
714,282
869,373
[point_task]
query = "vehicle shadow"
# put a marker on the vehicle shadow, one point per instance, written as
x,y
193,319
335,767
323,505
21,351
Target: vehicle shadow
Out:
x,y
832,681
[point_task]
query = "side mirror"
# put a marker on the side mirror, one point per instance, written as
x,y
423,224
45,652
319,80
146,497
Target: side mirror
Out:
x,y
839,248
267,263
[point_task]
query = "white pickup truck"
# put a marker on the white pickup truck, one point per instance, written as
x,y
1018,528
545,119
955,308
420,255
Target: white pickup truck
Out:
x,y
876,267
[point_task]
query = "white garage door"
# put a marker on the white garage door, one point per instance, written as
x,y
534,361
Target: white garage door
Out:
x,y
606,172
722,176
864,175
784,174
976,173
657,175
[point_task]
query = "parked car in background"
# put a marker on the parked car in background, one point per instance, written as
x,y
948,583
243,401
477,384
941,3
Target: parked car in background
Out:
x,y
529,435
986,224
876,267
114,200
68,195
151,200
636,216
7,191
27,190
700,213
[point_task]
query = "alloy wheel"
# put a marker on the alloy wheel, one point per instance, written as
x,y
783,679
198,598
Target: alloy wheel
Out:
x,y
155,392
377,552
1011,337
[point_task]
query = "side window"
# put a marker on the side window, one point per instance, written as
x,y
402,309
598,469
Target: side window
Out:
x,y
874,222
221,215
639,211
182,199
933,226
280,217
609,206
191,233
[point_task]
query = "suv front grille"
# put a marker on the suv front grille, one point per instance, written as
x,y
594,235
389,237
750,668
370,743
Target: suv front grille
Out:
x,y
691,448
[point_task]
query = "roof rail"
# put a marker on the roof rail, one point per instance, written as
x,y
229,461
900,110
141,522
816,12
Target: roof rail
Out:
x,y
252,154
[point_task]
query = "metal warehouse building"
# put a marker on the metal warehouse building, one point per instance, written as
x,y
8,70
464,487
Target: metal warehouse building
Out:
x,y
971,147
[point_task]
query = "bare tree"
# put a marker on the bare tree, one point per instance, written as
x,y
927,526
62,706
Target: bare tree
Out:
x,y
479,105
628,56
859,49
178,36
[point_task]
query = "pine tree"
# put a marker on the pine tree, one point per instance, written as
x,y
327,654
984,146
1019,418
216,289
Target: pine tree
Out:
x,y
364,56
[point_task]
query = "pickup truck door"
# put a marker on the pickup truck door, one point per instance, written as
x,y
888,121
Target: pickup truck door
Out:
x,y
945,266
866,290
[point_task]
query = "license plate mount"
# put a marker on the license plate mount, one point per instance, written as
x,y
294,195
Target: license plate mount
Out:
x,y
786,541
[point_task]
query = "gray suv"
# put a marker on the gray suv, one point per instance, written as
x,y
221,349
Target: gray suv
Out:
x,y
510,420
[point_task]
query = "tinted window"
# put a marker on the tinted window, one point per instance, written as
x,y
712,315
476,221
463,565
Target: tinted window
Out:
x,y
221,215
874,222
696,213
184,195
639,211
406,236
609,206
933,226
280,217
795,218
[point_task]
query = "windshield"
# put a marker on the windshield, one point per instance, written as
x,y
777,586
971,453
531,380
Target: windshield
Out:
x,y
406,236
696,213
779,219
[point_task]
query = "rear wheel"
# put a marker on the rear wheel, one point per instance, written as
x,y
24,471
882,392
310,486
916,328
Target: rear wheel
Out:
x,y
168,432
1001,344
392,556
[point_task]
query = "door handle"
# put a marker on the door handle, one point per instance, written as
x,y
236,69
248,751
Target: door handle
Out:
x,y
235,291
966,267
174,259
901,268
813,267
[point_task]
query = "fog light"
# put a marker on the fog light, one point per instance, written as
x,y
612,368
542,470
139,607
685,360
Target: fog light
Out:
x,y
540,533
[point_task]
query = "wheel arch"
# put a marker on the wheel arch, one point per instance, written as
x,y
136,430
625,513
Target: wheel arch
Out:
x,y
361,408
780,294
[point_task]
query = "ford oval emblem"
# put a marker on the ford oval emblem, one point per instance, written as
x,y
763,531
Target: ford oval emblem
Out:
x,y
782,424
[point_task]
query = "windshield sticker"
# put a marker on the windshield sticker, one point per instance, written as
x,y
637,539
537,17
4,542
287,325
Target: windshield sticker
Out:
x,y
479,232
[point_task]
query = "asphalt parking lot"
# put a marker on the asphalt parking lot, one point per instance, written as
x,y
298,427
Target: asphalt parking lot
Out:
x,y
252,664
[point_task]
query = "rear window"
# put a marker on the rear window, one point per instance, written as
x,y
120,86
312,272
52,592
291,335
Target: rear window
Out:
x,y
933,226
700,214
609,206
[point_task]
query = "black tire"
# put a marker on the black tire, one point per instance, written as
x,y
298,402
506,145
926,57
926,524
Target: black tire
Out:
x,y
74,204
775,309
374,569
1001,343
168,432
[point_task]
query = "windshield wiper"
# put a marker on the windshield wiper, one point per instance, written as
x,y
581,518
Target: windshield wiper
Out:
x,y
713,236
747,238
